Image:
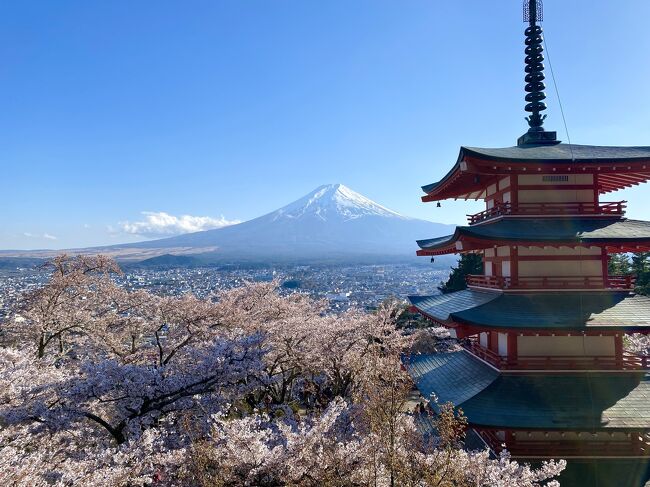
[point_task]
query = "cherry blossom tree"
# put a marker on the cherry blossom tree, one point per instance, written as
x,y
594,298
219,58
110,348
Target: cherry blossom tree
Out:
x,y
62,309
100,385
335,448
637,343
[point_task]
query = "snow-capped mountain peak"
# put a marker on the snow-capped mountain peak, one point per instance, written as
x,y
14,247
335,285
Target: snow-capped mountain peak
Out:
x,y
331,223
334,201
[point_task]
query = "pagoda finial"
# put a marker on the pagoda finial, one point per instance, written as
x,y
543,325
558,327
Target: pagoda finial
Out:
x,y
535,96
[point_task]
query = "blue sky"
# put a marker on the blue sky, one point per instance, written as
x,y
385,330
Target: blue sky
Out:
x,y
232,108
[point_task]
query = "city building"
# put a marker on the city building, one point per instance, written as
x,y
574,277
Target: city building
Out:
x,y
544,371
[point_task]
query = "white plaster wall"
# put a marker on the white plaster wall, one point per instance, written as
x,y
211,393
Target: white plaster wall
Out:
x,y
505,268
556,196
525,179
504,183
536,346
553,251
541,268
503,344
483,339
503,251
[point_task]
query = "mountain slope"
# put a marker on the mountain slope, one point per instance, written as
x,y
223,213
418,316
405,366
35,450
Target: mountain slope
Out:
x,y
330,221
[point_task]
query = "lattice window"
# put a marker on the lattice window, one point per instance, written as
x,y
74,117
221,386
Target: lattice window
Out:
x,y
555,178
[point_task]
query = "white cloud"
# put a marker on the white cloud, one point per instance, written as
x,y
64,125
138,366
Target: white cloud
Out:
x,y
159,224
46,236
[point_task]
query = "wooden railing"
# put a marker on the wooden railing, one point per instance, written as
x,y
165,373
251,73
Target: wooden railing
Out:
x,y
548,209
627,361
636,445
553,282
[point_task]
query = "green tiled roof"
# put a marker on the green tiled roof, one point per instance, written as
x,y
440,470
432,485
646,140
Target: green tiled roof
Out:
x,y
559,401
540,311
562,310
584,230
454,377
435,243
553,154
442,305
583,401
559,153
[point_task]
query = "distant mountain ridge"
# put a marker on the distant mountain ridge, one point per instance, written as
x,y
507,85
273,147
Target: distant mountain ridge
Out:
x,y
331,223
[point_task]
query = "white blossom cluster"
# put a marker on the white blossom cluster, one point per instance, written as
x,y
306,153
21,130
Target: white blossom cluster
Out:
x,y
100,386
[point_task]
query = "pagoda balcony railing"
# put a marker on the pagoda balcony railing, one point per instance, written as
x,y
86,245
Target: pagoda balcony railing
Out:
x,y
627,361
547,209
635,446
552,282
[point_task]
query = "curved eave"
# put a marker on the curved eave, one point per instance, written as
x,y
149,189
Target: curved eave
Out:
x,y
438,246
453,172
468,327
458,183
617,167
441,307
567,311
616,233
462,244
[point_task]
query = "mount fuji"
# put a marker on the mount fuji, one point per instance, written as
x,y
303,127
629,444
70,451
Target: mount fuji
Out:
x,y
332,222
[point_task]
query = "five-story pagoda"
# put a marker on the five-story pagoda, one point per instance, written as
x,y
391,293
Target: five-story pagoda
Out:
x,y
544,372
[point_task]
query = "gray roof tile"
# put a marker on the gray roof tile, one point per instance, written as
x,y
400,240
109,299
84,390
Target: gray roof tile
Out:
x,y
579,230
568,153
540,311
442,305
565,401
